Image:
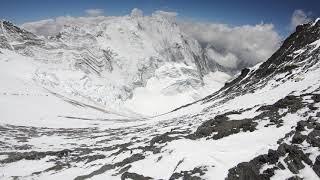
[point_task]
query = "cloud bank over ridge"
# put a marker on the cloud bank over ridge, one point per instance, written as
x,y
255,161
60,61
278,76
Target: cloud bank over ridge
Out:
x,y
233,47
94,12
298,17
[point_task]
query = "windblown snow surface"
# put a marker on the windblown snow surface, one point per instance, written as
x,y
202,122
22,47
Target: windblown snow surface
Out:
x,y
262,125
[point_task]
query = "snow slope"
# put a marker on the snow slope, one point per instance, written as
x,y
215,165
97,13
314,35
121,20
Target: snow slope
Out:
x,y
165,92
25,102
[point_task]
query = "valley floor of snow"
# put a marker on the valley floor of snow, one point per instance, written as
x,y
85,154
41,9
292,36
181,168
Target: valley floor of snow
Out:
x,y
50,136
150,101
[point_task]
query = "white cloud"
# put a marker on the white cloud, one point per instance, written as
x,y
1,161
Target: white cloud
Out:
x,y
94,12
51,27
136,12
227,60
235,47
44,27
164,14
298,17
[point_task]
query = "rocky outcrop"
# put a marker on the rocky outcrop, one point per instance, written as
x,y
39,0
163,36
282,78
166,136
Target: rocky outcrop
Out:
x,y
290,156
194,174
15,38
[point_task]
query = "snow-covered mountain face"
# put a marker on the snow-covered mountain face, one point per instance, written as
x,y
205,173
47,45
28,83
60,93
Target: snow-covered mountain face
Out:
x,y
106,60
262,125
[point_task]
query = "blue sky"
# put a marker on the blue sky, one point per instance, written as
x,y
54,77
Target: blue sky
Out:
x,y
233,12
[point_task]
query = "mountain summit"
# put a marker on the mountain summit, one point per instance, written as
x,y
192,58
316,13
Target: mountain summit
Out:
x,y
111,57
